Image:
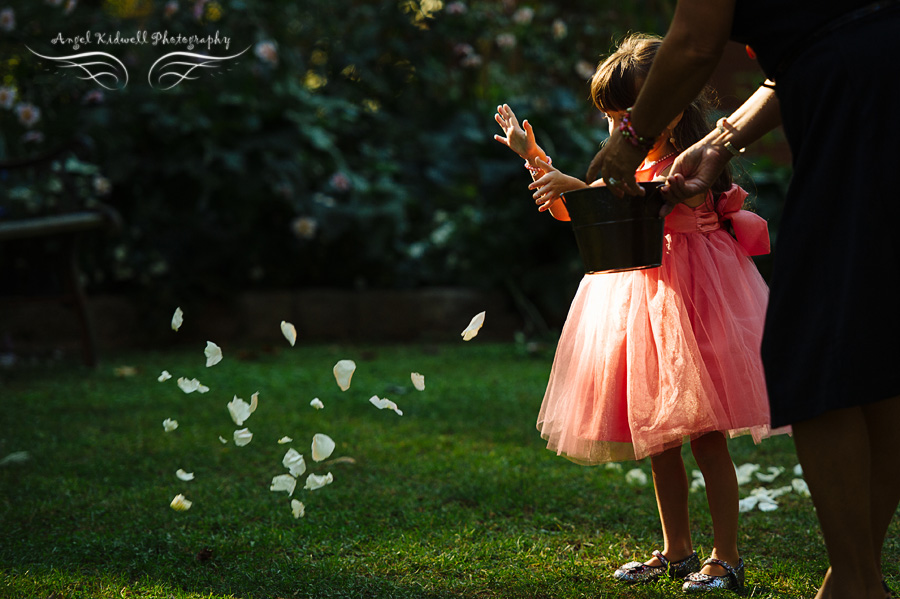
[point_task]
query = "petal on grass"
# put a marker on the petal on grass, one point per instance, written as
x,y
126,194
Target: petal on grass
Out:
x,y
185,476
284,440
164,376
474,326
798,470
418,380
385,404
177,319
636,476
315,481
242,437
343,372
322,447
213,354
169,425
745,473
698,481
774,472
747,504
180,504
297,508
289,331
800,487
317,403
294,462
283,482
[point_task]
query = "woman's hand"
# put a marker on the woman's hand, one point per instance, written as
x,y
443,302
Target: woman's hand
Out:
x,y
693,173
617,161
518,139
551,185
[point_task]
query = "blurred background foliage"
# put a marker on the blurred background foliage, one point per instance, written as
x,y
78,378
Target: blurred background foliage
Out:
x,y
349,145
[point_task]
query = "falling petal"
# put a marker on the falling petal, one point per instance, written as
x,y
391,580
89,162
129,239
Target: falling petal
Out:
x,y
164,376
202,388
177,319
213,354
223,440
315,481
242,437
240,410
800,487
16,457
189,386
636,476
284,440
185,476
343,372
180,504
774,472
474,326
322,447
383,404
418,380
289,331
283,482
170,425
294,462
317,403
297,508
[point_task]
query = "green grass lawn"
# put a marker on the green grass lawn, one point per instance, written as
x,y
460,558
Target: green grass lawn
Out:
x,y
455,498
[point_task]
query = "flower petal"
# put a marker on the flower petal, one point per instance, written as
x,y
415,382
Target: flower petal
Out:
x,y
164,376
343,372
317,403
239,410
383,404
177,319
283,482
297,508
180,504
474,326
774,472
223,440
213,354
315,481
800,487
294,462
189,386
289,331
418,380
170,425
322,447
185,476
254,402
798,470
284,440
745,473
636,476
242,437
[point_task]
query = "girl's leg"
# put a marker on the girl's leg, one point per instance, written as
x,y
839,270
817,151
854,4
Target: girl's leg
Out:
x,y
711,453
671,485
835,452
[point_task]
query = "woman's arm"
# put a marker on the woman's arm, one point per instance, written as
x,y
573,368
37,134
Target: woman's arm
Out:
x,y
684,62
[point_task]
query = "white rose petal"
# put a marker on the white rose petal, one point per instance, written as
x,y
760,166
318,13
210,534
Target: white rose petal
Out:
x,y
180,504
383,404
474,326
213,354
745,473
283,482
240,410
297,508
798,470
185,476
315,481
170,425
223,440
177,319
202,388
418,380
284,440
774,472
322,447
343,372
636,476
767,505
294,462
242,437
289,331
317,403
747,504
800,487
189,386
613,466
164,376
698,481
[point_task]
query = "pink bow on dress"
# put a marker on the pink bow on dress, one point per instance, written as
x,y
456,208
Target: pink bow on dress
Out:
x,y
750,229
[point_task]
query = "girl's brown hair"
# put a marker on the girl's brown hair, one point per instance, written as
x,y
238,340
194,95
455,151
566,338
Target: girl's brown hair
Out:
x,y
615,86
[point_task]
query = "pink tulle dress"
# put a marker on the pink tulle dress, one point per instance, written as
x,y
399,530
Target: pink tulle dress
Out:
x,y
648,358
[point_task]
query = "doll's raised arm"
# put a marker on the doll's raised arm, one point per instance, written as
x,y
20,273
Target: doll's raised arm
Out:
x,y
518,138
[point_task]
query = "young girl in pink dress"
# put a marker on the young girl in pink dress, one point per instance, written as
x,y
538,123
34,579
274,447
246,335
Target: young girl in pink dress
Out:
x,y
649,358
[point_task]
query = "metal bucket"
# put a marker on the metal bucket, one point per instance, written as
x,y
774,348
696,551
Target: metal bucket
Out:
x,y
617,234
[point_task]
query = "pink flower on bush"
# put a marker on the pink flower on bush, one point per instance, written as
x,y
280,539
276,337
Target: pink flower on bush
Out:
x,y
523,16
267,51
70,6
199,6
95,96
462,49
472,61
457,8
340,182
28,114
506,40
102,185
170,9
559,29
7,96
584,69
304,227
7,19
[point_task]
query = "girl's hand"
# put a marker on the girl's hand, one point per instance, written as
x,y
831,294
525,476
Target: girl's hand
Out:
x,y
519,140
551,185
617,161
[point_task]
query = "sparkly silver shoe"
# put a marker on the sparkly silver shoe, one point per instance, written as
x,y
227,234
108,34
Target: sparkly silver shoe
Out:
x,y
733,579
638,572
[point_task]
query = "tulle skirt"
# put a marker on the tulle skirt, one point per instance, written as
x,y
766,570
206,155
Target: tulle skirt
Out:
x,y
649,358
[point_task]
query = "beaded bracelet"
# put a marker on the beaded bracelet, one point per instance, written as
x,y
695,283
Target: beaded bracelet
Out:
x,y
628,132
535,170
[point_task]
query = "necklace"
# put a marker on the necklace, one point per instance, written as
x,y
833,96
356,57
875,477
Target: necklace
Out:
x,y
647,165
